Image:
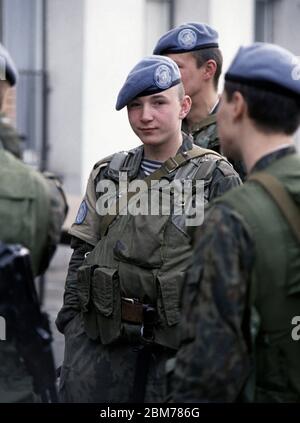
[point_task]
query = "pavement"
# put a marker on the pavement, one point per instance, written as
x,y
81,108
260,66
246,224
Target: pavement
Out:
x,y
53,296
54,281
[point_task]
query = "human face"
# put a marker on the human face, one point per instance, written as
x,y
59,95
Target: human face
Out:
x,y
227,129
156,119
191,76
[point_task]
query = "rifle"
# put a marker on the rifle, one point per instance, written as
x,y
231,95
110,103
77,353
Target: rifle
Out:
x,y
26,323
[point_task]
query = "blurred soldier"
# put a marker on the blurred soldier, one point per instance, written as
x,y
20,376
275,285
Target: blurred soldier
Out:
x,y
32,211
8,136
195,49
242,292
121,304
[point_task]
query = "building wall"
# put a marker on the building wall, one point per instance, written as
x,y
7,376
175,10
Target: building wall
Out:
x,y
113,43
65,20
191,11
234,20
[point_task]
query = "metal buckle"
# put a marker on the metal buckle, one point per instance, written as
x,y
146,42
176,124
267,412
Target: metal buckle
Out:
x,y
173,161
129,300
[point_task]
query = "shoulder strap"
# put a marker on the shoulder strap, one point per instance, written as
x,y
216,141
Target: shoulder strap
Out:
x,y
282,198
169,166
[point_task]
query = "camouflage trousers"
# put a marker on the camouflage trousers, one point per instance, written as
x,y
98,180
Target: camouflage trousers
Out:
x,y
92,372
15,382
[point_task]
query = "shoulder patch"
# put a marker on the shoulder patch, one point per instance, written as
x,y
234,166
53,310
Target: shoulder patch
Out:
x,y
81,214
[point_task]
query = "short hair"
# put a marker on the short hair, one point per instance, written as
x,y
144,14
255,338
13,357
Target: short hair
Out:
x,y
272,112
181,91
212,53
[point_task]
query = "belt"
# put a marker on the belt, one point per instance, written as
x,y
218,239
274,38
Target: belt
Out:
x,y
132,310
135,312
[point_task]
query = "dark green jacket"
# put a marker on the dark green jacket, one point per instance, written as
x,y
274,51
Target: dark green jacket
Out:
x,y
274,295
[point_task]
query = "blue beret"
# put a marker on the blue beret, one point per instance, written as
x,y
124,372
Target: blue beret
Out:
x,y
266,66
151,75
187,37
8,70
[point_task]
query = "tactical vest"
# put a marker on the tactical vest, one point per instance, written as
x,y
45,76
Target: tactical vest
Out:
x,y
275,286
24,207
142,259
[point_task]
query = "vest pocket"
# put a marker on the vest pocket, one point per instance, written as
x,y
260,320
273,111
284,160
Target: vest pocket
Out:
x,y
100,302
106,299
170,298
84,276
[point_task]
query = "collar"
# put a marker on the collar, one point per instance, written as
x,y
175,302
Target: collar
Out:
x,y
268,159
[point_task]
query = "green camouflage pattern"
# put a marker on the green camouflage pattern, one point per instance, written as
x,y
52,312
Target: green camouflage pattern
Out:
x,y
213,309
206,136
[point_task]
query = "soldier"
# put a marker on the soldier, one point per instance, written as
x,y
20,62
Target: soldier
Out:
x,y
121,303
242,292
8,136
195,49
32,211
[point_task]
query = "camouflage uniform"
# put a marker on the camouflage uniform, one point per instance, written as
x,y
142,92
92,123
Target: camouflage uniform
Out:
x,y
215,360
205,135
9,137
93,371
32,210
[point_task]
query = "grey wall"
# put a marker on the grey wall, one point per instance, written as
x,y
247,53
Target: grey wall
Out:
x,y
65,62
191,11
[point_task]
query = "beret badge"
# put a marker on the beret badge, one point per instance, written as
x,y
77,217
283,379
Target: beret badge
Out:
x,y
163,77
187,38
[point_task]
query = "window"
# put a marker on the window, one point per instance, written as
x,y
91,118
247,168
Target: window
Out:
x,y
23,35
264,20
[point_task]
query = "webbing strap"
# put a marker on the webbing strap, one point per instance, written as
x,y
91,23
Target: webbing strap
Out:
x,y
282,198
169,166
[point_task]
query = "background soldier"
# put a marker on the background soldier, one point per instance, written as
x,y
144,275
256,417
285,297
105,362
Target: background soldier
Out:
x,y
121,304
195,49
32,211
242,291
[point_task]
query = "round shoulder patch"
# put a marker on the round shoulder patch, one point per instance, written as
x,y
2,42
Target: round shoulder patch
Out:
x,y
81,214
163,77
187,38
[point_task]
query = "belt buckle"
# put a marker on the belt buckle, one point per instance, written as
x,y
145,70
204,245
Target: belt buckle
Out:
x,y
130,300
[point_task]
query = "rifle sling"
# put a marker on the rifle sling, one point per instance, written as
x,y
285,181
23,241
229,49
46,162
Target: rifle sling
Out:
x,y
282,198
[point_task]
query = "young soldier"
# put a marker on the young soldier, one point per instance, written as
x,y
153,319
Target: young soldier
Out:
x,y
195,48
121,305
242,292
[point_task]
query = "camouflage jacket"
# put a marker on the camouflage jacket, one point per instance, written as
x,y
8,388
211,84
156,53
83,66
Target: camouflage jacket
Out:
x,y
205,135
214,361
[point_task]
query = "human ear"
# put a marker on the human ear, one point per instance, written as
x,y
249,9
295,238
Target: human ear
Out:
x,y
210,68
239,105
186,104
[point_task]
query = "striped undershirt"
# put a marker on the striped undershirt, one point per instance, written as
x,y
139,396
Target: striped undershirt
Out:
x,y
149,166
